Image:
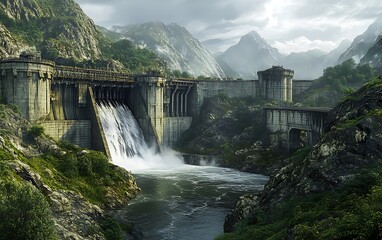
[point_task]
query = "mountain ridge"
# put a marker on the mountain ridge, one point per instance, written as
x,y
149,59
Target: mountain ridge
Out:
x,y
244,56
173,43
363,42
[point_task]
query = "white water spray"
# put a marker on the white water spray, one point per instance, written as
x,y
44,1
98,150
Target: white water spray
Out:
x,y
126,143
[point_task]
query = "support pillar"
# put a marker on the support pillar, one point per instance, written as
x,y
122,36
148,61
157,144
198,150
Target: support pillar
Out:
x,y
172,104
186,102
177,104
181,104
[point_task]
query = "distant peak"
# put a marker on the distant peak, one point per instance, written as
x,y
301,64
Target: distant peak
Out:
x,y
253,35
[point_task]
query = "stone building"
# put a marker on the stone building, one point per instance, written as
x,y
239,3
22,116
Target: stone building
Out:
x,y
276,83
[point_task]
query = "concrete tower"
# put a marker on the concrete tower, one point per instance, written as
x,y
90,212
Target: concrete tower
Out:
x,y
25,82
276,83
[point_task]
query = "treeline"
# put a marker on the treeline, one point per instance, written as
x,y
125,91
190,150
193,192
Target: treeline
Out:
x,y
335,83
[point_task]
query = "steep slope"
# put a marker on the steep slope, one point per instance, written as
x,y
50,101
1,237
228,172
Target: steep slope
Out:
x,y
363,42
331,192
80,186
251,54
173,43
9,45
374,56
331,59
58,28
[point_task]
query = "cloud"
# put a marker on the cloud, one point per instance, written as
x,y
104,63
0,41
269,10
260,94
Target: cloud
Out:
x,y
282,22
301,44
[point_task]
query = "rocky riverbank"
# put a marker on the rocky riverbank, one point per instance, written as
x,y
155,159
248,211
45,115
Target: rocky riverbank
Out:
x,y
81,187
332,191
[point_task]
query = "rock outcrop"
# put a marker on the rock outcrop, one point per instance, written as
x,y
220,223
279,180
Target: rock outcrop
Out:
x,y
350,143
74,215
44,25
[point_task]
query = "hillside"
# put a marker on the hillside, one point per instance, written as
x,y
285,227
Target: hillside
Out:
x,y
175,45
362,43
50,190
335,84
336,184
58,28
374,56
63,33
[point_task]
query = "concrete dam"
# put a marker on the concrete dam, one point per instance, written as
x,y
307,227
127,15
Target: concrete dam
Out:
x,y
64,100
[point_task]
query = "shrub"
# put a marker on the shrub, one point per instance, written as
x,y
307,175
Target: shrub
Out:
x,y
69,166
24,214
36,131
111,229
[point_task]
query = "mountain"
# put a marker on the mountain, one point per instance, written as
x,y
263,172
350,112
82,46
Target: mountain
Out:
x,y
251,54
310,64
363,42
374,56
306,65
254,53
58,28
331,58
63,33
173,43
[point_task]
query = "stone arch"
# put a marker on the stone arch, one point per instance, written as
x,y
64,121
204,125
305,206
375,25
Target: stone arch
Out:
x,y
299,138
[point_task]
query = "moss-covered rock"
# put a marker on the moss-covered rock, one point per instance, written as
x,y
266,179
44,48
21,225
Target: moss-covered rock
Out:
x,y
81,186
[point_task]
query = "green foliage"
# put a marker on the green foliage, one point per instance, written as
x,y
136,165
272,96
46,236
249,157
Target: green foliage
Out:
x,y
179,74
69,166
134,58
87,172
352,212
336,82
111,229
36,131
24,213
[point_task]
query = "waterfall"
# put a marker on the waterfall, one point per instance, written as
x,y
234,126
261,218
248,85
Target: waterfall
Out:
x,y
126,143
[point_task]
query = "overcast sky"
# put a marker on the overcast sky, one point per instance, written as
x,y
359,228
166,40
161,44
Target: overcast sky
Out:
x,y
289,25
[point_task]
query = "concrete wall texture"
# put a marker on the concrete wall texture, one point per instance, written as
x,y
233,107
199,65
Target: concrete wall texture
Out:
x,y
233,89
27,85
282,120
300,86
164,109
74,131
174,127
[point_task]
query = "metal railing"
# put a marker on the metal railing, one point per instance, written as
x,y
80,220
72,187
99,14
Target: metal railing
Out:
x,y
65,72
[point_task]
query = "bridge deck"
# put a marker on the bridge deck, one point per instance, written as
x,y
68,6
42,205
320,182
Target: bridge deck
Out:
x,y
73,73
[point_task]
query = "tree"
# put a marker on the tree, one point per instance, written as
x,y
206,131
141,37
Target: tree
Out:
x,y
24,213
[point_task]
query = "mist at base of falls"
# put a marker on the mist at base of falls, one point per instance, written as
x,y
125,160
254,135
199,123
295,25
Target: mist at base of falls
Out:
x,y
126,142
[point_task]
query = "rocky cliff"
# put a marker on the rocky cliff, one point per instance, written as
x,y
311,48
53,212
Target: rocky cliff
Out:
x,y
80,186
362,43
334,184
173,43
374,56
57,28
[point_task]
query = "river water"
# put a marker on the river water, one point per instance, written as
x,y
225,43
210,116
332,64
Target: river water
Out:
x,y
177,201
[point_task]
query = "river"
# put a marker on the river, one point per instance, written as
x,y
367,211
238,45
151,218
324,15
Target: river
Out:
x,y
188,202
177,201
